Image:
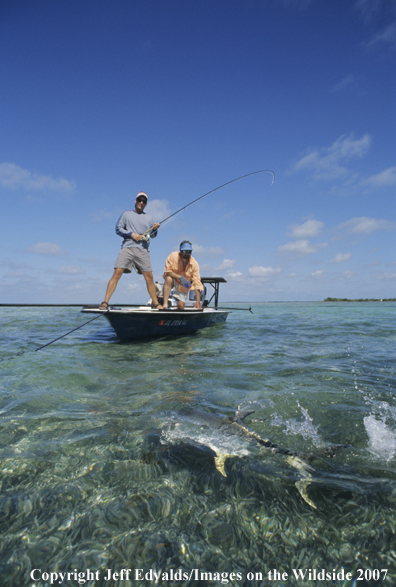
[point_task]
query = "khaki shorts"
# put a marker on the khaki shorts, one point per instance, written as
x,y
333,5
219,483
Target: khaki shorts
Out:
x,y
133,258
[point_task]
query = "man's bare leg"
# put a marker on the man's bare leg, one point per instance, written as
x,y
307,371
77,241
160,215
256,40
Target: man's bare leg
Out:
x,y
118,271
148,276
168,283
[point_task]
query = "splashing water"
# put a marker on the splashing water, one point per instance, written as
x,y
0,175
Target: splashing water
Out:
x,y
380,427
304,427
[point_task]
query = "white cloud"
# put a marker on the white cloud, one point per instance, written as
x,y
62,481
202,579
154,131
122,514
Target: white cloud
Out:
x,y
46,249
344,83
309,228
103,215
207,251
364,225
260,271
235,276
12,176
385,37
368,8
327,163
226,264
300,248
383,178
341,258
318,274
158,209
70,270
347,275
387,276
16,274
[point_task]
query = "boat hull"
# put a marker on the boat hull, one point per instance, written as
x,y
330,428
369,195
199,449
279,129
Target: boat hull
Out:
x,y
145,322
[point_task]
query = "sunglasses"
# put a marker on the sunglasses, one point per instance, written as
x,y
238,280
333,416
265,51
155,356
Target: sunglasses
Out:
x,y
142,200
188,252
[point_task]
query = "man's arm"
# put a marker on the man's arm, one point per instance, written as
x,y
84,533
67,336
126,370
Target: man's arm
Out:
x,y
196,284
154,229
123,232
171,267
198,299
120,228
196,277
174,275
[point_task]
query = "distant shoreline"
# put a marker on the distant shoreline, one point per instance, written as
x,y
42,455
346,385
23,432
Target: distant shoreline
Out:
x,y
359,300
44,305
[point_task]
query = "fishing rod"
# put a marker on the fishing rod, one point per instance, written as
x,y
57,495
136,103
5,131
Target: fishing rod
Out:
x,y
147,234
229,308
52,341
70,331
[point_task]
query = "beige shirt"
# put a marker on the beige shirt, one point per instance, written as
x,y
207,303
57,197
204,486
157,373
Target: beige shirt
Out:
x,y
174,264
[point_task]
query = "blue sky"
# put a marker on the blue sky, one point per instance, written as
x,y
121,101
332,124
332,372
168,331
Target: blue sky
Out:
x,y
101,100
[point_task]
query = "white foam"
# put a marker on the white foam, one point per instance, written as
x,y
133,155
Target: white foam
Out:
x,y
382,440
304,428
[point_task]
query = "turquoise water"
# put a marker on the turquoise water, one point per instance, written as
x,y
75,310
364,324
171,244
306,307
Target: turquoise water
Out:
x,y
90,482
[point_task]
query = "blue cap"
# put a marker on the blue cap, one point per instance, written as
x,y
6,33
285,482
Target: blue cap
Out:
x,y
185,246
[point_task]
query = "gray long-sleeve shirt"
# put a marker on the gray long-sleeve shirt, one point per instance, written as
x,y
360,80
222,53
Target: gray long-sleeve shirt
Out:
x,y
129,222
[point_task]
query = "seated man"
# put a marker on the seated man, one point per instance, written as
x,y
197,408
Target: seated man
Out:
x,y
182,273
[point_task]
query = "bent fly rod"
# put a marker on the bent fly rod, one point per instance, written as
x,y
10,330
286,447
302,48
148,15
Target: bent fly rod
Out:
x,y
147,234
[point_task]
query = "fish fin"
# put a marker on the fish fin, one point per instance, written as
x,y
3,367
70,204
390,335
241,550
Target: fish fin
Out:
x,y
303,484
220,462
299,464
240,416
302,487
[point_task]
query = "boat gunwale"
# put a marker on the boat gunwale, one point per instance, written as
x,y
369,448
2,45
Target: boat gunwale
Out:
x,y
143,311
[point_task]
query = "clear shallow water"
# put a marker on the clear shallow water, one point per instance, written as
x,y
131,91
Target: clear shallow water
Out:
x,y
87,481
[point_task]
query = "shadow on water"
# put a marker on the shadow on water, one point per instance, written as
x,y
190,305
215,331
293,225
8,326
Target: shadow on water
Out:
x,y
108,335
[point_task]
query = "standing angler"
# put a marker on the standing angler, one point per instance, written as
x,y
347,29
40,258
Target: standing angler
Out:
x,y
134,253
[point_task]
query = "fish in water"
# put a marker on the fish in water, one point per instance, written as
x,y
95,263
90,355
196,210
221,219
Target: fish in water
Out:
x,y
229,437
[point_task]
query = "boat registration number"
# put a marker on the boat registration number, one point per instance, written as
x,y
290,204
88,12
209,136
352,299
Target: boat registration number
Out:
x,y
172,322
